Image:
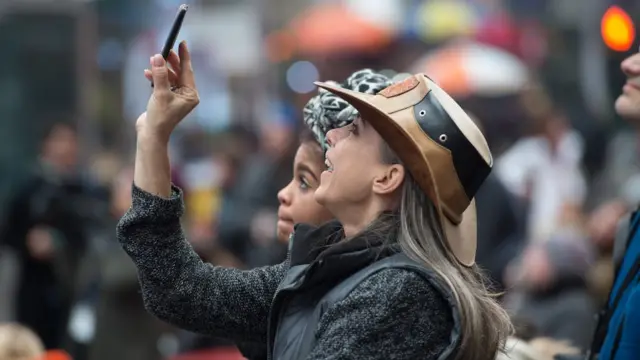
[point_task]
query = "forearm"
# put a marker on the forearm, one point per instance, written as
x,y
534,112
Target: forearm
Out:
x,y
178,287
152,169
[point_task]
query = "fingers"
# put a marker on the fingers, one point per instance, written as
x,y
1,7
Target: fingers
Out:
x,y
174,61
186,75
173,77
160,76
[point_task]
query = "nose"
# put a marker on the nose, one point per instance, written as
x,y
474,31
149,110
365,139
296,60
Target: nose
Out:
x,y
284,195
335,135
331,137
631,66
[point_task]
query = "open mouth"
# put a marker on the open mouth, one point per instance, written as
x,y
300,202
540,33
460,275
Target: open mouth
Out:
x,y
328,164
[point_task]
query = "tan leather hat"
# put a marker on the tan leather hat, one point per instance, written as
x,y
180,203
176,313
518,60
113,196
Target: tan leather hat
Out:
x,y
440,145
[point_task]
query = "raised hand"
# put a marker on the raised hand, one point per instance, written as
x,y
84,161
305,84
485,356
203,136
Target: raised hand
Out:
x,y
174,93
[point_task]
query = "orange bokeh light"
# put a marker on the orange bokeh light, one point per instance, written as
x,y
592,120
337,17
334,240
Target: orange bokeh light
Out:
x,y
280,46
617,29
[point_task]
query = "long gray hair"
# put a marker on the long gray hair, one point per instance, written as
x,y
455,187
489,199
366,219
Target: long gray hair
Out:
x,y
485,325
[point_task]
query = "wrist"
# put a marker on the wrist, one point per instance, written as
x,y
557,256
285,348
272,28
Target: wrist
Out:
x,y
147,135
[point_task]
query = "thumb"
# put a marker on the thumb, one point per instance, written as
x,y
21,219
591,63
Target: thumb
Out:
x,y
160,75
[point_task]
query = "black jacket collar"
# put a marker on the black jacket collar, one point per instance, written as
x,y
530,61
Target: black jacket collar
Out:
x,y
324,248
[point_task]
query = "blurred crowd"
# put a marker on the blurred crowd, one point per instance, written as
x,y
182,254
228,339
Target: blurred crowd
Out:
x,y
563,176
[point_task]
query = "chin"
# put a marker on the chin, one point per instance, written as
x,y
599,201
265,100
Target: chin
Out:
x,y
320,196
282,237
628,108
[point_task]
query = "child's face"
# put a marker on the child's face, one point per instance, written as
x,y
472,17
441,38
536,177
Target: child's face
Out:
x,y
297,203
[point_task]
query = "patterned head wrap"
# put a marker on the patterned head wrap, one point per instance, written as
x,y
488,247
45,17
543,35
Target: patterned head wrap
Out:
x,y
327,111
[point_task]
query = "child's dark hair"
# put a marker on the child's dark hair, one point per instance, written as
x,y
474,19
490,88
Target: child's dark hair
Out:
x,y
306,135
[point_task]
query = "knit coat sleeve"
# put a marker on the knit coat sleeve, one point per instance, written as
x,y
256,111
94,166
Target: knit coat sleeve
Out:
x,y
178,287
393,314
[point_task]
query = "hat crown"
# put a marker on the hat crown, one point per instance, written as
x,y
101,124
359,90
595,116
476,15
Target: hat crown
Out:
x,y
448,138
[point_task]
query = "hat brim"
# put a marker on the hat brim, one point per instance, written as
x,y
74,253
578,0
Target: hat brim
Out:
x,y
462,237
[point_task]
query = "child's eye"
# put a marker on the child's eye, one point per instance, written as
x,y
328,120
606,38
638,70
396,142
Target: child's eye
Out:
x,y
304,184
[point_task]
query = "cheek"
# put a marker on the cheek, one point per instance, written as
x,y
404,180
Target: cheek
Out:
x,y
361,160
308,211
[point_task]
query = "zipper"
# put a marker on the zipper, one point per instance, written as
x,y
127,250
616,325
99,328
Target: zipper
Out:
x,y
278,299
273,303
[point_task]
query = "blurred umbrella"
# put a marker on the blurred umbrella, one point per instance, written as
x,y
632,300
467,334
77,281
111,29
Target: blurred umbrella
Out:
x,y
443,19
469,68
333,28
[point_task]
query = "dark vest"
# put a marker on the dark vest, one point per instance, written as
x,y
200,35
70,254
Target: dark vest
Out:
x,y
321,276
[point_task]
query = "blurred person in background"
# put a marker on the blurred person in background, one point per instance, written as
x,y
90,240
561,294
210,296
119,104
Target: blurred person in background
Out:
x,y
123,328
545,171
548,280
501,227
238,303
18,342
246,221
527,344
547,286
47,222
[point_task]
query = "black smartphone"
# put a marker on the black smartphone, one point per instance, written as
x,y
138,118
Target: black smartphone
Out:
x,y
175,30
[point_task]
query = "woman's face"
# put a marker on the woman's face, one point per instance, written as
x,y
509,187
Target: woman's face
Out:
x,y
297,203
356,173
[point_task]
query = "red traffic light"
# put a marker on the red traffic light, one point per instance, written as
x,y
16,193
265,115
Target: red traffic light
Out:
x,y
617,29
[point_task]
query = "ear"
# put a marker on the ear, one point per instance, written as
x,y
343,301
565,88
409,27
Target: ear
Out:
x,y
389,180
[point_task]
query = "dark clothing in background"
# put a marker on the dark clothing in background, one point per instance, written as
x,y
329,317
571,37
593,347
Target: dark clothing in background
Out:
x,y
124,329
501,228
566,315
257,187
370,323
45,288
564,309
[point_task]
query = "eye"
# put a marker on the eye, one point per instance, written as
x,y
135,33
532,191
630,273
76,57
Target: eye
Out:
x,y
443,138
304,184
422,113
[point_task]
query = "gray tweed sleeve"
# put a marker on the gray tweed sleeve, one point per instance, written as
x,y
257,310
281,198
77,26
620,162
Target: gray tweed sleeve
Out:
x,y
178,287
394,314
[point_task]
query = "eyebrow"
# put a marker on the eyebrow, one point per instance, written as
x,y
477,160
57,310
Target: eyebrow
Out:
x,y
302,167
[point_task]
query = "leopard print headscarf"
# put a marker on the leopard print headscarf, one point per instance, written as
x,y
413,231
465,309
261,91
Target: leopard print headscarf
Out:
x,y
327,111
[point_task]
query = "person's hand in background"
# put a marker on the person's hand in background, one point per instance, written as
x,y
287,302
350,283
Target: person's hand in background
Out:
x,y
40,243
537,269
603,222
533,270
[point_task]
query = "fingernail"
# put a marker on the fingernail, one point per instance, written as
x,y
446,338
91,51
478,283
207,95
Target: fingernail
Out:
x,y
157,60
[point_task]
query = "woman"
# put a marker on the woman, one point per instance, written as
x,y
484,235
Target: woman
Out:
x,y
393,289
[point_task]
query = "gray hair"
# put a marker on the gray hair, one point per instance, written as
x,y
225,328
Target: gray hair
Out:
x,y
485,325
